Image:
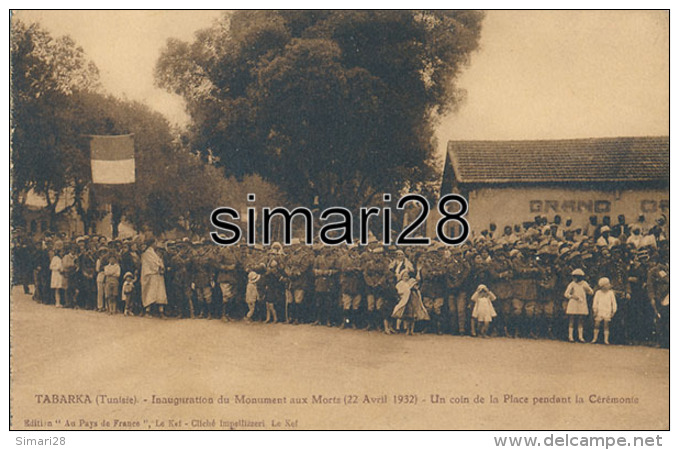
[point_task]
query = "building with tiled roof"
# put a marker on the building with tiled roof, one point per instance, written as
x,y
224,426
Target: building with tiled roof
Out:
x,y
509,182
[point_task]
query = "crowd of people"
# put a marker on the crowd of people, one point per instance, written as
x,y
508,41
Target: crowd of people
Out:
x,y
540,279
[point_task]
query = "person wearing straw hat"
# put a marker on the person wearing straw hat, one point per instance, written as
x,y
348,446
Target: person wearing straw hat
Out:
x,y
252,294
577,310
604,308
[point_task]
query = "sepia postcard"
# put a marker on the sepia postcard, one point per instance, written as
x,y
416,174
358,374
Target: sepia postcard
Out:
x,y
339,220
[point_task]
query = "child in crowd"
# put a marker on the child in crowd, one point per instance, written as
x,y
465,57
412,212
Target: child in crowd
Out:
x,y
251,293
483,311
274,290
111,283
127,290
604,308
576,293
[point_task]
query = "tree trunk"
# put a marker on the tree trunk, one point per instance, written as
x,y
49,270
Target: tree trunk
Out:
x,y
116,215
52,209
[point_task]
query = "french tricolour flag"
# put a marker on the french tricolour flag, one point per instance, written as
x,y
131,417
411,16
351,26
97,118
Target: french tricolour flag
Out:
x,y
112,159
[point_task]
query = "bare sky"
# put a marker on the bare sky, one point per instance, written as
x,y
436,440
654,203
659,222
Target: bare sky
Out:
x,y
125,46
538,75
556,74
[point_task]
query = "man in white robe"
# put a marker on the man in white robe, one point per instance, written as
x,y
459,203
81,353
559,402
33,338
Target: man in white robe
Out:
x,y
152,279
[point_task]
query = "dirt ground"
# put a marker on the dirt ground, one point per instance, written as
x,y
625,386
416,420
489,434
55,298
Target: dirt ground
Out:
x,y
350,379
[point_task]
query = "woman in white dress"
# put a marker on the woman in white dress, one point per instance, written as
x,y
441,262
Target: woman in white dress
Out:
x,y
410,308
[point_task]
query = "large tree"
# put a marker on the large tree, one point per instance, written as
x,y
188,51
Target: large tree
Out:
x,y
339,105
46,72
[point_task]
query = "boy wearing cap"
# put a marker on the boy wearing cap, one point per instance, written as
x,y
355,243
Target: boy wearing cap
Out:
x,y
111,283
128,288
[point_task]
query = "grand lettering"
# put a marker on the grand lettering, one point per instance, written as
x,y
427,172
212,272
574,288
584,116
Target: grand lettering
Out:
x,y
651,206
592,206
570,206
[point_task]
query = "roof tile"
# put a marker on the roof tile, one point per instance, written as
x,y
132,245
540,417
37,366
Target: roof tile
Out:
x,y
620,159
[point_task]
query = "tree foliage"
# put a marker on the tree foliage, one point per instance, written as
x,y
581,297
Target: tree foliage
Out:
x,y
45,73
339,105
57,102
